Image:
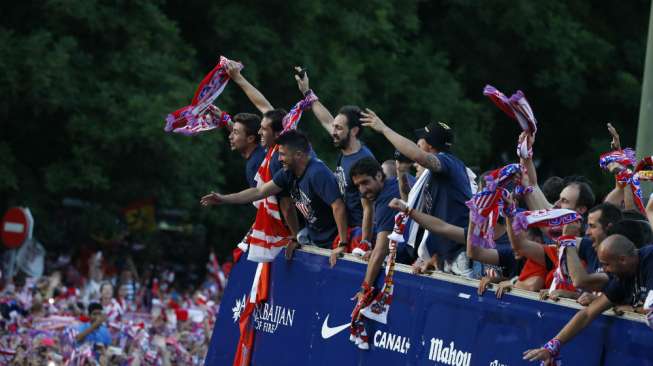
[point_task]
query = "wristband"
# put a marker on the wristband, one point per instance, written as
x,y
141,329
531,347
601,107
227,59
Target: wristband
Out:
x,y
553,347
343,244
567,241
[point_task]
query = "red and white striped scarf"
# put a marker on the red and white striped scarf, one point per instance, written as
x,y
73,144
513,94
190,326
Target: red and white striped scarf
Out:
x,y
269,234
550,218
561,276
201,115
626,176
644,168
516,107
485,206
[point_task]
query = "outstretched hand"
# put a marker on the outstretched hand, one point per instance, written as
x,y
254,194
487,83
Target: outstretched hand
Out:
x,y
211,199
370,119
615,144
302,82
538,354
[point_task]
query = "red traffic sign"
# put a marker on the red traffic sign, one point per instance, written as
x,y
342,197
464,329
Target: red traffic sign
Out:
x,y
16,227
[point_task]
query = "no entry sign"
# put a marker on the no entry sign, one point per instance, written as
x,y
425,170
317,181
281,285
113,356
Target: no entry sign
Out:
x,y
17,225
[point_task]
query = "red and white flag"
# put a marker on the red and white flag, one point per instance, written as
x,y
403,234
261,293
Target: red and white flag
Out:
x,y
269,234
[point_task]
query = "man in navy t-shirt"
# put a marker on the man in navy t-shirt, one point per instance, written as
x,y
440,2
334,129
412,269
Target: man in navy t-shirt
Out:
x,y
345,130
631,278
599,220
367,175
446,191
310,184
244,138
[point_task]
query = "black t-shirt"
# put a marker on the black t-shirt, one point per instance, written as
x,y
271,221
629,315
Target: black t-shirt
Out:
x,y
313,194
633,290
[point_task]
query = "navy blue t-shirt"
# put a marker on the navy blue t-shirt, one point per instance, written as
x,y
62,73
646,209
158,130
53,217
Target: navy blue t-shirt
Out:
x,y
633,290
275,164
313,194
587,253
510,266
253,163
348,190
444,197
384,216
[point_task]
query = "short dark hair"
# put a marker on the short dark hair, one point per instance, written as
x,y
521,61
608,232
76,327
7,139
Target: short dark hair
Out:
x,y
586,197
276,116
353,114
295,140
610,214
251,122
94,306
366,166
634,230
633,214
552,188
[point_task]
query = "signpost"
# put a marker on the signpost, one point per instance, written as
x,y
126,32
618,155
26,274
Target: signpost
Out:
x,y
17,226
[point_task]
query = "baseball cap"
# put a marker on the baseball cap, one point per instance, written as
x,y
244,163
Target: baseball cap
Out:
x,y
437,134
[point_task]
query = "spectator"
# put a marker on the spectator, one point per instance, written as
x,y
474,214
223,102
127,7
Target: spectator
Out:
x,y
446,191
630,274
96,331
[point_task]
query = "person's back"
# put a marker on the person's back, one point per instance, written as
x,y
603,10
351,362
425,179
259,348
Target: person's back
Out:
x,y
445,197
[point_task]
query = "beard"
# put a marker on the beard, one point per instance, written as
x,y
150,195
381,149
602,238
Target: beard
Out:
x,y
342,143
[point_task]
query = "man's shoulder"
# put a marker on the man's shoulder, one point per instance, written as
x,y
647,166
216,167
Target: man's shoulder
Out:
x,y
646,255
365,152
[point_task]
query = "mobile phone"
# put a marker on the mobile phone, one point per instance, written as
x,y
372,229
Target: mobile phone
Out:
x,y
301,73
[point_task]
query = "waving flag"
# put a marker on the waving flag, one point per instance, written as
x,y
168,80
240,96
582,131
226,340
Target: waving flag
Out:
x,y
269,234
626,176
201,115
644,168
549,218
516,107
484,206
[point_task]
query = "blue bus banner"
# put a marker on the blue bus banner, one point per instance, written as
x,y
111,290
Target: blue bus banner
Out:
x,y
433,320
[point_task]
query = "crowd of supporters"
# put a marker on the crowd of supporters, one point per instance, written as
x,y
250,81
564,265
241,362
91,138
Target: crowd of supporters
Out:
x,y
104,311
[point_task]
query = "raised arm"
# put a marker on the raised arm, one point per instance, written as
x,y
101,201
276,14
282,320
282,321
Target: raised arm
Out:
x,y
405,146
524,247
616,196
245,196
255,96
536,199
402,178
321,112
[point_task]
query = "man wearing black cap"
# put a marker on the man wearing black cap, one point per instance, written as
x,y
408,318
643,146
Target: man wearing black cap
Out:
x,y
447,189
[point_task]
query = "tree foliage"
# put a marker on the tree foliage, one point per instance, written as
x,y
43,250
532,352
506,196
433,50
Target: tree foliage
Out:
x,y
86,86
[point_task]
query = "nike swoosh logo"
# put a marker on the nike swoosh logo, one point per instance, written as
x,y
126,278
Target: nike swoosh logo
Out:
x,y
328,332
